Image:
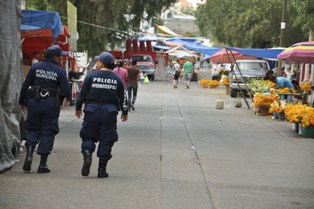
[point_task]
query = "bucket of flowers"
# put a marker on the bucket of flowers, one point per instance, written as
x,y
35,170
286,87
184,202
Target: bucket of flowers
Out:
x,y
306,87
303,114
277,109
262,103
225,82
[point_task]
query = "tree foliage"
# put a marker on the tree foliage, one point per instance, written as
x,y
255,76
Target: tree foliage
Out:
x,y
250,23
110,14
305,15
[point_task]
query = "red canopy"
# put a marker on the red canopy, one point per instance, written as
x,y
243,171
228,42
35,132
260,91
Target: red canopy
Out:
x,y
224,56
40,40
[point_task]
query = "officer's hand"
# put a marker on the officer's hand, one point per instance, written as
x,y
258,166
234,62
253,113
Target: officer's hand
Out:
x,y
124,117
78,113
23,108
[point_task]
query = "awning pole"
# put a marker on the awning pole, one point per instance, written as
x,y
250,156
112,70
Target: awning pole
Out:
x,y
232,55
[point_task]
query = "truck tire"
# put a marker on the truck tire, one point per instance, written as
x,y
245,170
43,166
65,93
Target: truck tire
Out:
x,y
233,92
152,77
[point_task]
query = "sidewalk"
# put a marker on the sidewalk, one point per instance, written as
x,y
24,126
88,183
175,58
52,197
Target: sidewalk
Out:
x,y
177,151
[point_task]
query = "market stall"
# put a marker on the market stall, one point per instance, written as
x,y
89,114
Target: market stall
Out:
x,y
303,54
226,56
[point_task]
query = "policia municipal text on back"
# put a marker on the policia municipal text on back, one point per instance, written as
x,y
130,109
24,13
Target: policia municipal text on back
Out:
x,y
41,95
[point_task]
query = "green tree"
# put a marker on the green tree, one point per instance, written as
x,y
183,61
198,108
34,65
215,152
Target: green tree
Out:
x,y
305,16
250,23
110,14
188,11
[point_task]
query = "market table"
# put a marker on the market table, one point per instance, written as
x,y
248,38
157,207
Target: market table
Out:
x,y
296,96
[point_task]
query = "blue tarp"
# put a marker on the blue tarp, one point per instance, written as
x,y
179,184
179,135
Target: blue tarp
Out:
x,y
209,51
182,40
36,20
260,53
191,44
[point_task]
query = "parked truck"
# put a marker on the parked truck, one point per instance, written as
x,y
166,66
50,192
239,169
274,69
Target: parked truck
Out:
x,y
142,52
250,69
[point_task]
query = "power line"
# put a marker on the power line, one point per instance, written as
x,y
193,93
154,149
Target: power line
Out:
x,y
102,27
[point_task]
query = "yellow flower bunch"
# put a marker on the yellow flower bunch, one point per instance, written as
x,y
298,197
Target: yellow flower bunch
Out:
x,y
223,72
224,81
271,84
209,83
300,113
272,91
284,90
264,100
306,87
276,107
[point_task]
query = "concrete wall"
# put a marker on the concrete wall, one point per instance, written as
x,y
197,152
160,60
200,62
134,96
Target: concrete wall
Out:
x,y
182,26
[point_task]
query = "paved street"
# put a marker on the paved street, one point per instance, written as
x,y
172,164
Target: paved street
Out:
x,y
177,151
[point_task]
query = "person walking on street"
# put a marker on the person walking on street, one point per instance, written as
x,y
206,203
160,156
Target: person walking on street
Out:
x,y
132,84
195,70
41,95
142,77
187,69
176,74
121,71
103,94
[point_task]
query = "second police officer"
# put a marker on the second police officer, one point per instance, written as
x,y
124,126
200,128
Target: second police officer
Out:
x,y
104,95
41,94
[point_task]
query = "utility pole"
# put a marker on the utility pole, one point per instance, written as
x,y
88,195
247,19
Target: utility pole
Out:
x,y
283,24
282,32
23,4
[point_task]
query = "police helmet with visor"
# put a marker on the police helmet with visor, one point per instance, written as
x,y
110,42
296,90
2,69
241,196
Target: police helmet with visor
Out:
x,y
107,59
55,50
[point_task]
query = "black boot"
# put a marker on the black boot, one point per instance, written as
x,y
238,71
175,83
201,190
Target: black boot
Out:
x,y
87,162
29,157
102,173
43,167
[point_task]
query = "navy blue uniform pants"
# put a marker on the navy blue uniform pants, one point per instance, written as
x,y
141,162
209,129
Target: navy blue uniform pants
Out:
x,y
99,125
42,123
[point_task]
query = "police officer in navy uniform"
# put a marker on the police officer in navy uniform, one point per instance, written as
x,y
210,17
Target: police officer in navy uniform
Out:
x,y
104,95
41,93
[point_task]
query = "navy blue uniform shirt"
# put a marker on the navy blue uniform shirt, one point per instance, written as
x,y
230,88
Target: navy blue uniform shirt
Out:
x,y
48,75
103,86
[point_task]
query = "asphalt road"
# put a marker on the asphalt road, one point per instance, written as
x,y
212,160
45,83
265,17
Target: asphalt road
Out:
x,y
177,151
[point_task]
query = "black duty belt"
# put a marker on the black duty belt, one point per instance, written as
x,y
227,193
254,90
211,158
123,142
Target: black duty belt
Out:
x,y
98,102
39,92
47,93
